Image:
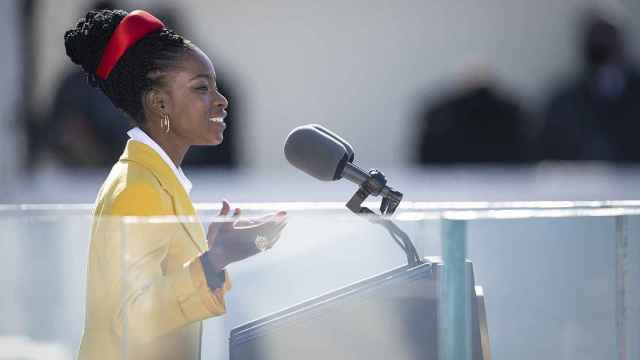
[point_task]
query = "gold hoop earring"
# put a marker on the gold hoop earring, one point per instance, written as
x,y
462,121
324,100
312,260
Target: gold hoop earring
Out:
x,y
165,123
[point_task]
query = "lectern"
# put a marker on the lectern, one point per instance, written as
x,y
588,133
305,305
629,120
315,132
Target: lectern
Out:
x,y
393,315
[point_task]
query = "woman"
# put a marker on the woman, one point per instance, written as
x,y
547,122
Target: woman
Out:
x,y
150,285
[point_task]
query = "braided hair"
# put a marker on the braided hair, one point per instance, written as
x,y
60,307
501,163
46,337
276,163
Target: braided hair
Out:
x,y
141,68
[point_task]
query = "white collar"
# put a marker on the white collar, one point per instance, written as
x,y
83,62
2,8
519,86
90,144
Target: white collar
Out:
x,y
136,134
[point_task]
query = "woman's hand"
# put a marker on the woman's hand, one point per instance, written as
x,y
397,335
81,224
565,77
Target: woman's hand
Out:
x,y
238,239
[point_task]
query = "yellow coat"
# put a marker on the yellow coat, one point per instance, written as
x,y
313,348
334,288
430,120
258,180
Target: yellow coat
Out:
x,y
146,290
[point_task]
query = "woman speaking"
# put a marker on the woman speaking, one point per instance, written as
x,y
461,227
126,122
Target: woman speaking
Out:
x,y
150,286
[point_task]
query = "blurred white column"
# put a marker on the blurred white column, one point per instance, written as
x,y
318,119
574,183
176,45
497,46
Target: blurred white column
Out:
x,y
12,311
10,92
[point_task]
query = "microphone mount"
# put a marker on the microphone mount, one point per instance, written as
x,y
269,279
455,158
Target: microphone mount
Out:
x,y
375,184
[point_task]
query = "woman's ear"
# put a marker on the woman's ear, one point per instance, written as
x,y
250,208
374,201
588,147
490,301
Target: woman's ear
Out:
x,y
154,102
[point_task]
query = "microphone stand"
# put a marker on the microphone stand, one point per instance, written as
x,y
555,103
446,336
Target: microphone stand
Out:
x,y
374,185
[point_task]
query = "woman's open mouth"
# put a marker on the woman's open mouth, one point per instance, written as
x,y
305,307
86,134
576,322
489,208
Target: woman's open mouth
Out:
x,y
219,121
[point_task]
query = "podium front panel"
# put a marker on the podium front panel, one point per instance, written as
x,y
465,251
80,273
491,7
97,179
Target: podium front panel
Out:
x,y
390,316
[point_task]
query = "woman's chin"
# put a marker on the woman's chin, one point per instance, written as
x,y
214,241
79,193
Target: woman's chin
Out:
x,y
211,141
215,141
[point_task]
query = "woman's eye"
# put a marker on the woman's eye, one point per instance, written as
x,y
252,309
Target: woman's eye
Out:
x,y
203,88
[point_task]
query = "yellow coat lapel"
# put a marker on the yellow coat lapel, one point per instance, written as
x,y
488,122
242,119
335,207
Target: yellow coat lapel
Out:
x,y
144,155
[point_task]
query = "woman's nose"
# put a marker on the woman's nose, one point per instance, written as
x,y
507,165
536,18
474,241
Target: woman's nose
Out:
x,y
220,101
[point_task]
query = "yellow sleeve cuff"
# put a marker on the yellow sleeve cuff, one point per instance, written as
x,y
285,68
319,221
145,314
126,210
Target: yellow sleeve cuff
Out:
x,y
213,299
194,297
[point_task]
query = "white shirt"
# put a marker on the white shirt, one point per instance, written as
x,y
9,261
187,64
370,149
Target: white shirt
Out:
x,y
136,134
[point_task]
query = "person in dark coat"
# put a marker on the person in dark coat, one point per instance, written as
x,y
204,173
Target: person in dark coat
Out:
x,y
595,117
477,124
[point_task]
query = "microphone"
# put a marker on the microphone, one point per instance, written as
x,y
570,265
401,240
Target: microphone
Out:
x,y
326,156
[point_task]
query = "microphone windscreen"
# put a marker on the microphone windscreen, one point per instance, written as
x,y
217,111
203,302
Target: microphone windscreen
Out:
x,y
316,152
342,141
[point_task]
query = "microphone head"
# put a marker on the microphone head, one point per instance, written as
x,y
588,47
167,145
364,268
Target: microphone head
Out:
x,y
318,152
335,136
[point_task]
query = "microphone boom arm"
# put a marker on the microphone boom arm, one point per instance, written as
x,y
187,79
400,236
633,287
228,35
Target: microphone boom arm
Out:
x,y
375,184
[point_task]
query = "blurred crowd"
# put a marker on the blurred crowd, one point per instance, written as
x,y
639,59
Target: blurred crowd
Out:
x,y
592,117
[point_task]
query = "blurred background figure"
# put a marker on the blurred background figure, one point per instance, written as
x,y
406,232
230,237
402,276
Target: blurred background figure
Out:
x,y
595,117
477,123
83,128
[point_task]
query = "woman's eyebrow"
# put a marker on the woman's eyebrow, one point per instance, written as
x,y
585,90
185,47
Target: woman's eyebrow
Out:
x,y
206,76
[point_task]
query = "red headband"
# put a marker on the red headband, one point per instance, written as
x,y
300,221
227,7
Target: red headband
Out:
x,y
132,28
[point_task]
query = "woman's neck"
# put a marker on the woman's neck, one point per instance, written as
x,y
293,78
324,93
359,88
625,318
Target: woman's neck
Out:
x,y
175,149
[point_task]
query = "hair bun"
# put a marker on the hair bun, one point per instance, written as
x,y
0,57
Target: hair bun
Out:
x,y
85,44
